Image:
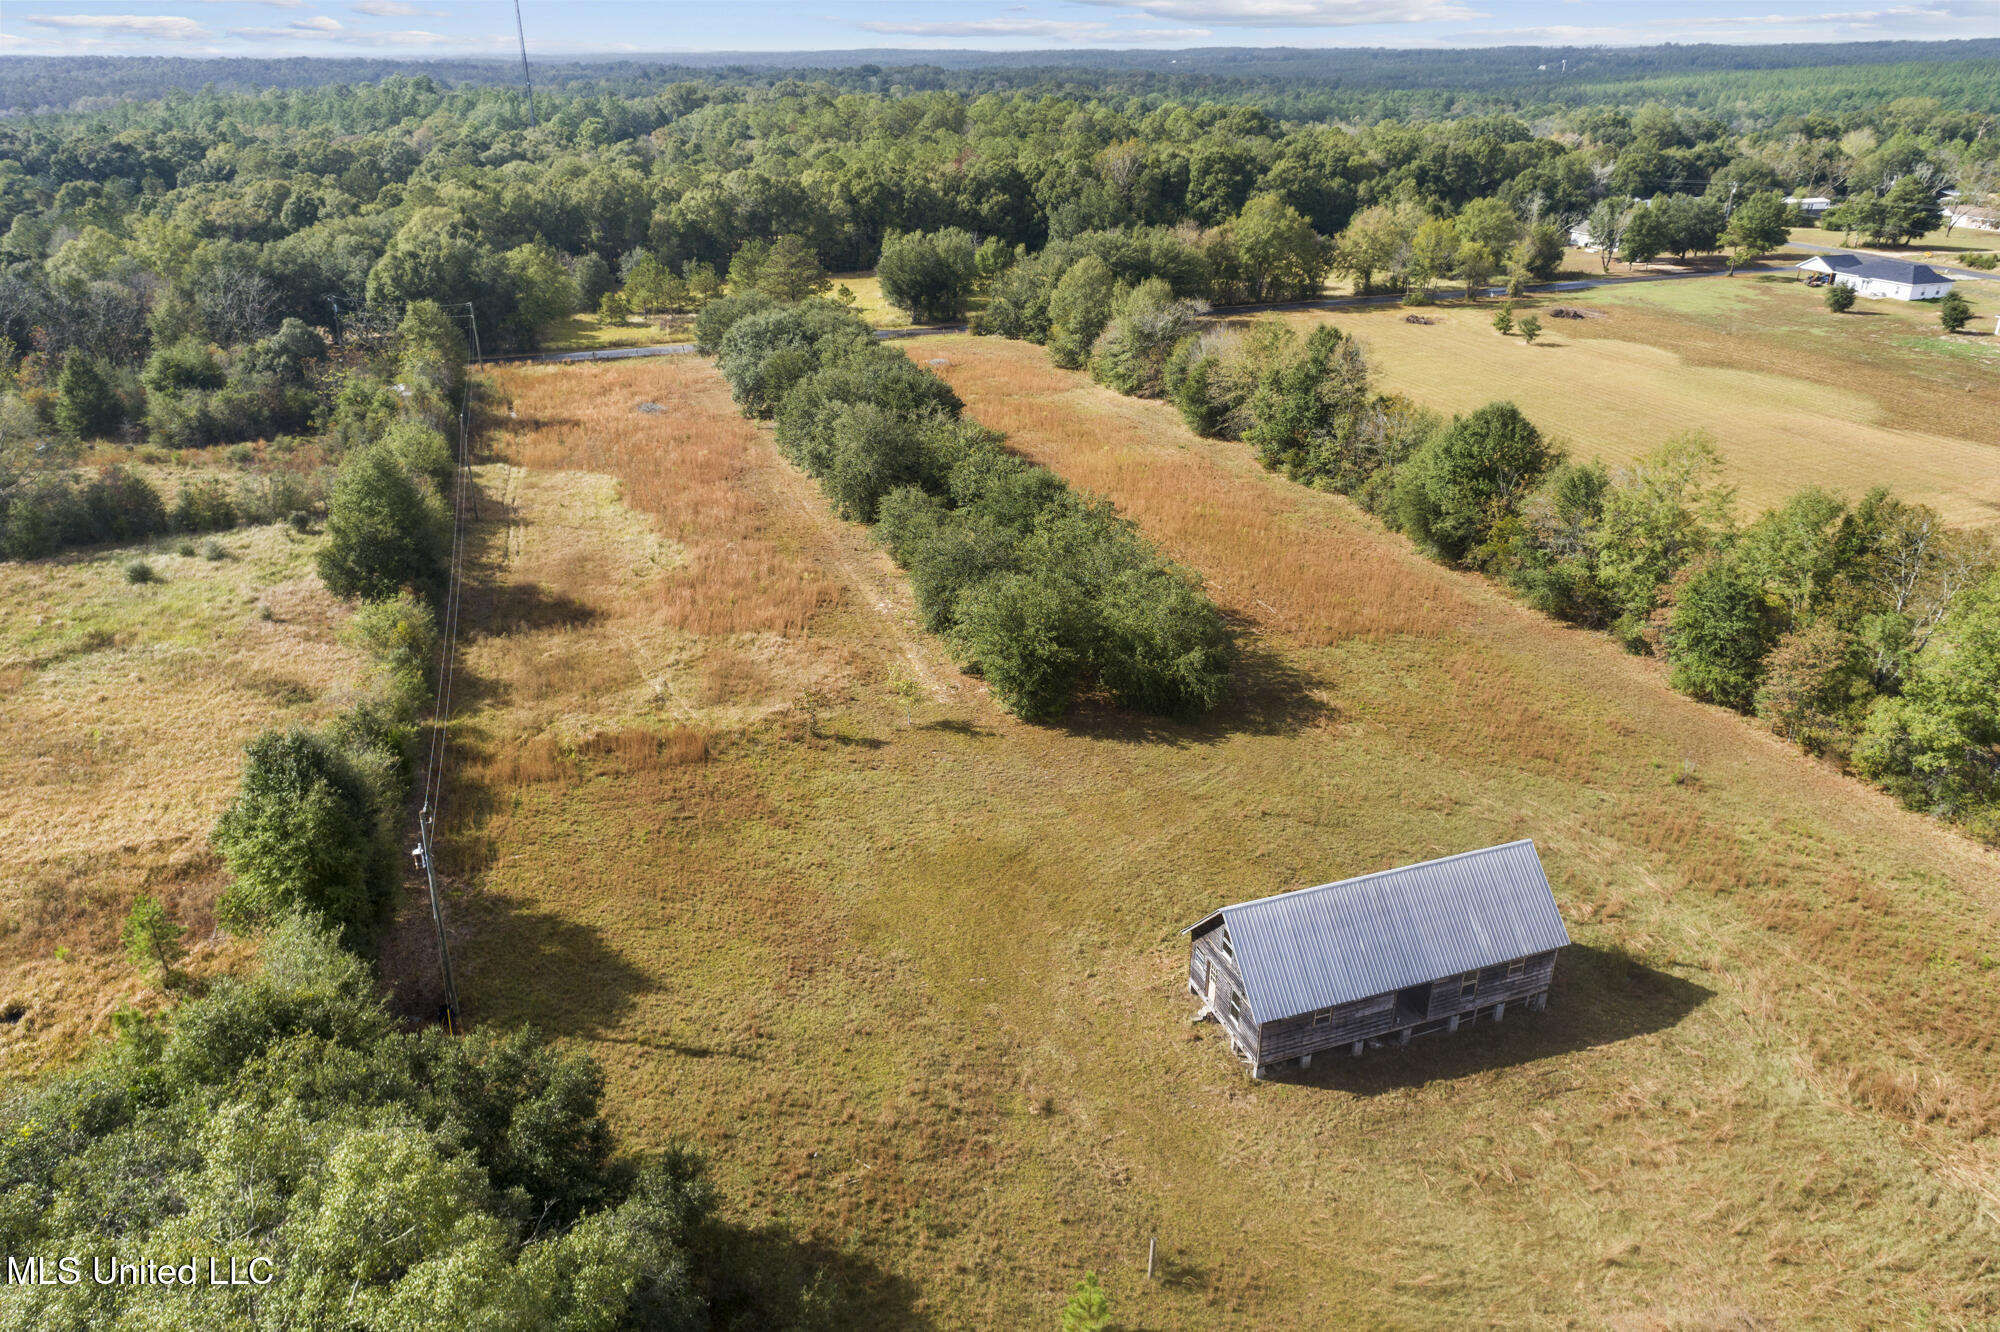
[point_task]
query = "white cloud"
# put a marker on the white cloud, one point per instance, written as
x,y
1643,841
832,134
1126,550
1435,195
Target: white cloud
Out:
x,y
311,31
393,9
1298,13
1943,18
1058,29
317,23
166,27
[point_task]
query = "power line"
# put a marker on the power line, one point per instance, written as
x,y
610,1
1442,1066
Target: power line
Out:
x,y
440,747
526,77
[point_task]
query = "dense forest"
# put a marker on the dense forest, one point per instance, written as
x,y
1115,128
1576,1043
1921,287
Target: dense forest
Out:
x,y
1304,84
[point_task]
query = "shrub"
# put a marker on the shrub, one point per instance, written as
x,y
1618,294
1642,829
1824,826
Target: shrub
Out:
x,y
1026,636
203,506
723,313
1840,298
304,834
384,533
152,939
1953,313
1718,633
1453,491
1161,645
212,550
1531,328
1503,322
1131,354
764,354
138,571
400,636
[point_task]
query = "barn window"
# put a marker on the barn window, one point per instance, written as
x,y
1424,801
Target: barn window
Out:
x,y
1468,984
1322,1019
1516,968
1200,969
1222,940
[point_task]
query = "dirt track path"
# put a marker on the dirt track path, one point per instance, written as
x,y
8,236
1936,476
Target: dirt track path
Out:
x,y
835,543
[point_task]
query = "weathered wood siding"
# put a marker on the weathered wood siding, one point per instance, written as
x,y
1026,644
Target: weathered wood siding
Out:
x,y
1210,958
1376,1017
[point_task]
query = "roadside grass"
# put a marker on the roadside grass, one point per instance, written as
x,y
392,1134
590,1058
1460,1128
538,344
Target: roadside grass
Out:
x,y
869,302
1793,394
1962,240
124,709
908,968
586,332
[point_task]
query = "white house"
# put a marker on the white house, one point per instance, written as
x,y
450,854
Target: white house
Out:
x,y
1896,279
1812,205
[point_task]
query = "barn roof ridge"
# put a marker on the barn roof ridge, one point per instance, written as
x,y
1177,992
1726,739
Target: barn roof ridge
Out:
x,y
1314,948
1293,893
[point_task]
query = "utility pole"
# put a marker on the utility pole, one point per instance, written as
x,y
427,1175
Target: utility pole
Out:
x,y
528,78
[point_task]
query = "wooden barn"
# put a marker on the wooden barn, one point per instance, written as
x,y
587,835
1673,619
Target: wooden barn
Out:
x,y
1387,956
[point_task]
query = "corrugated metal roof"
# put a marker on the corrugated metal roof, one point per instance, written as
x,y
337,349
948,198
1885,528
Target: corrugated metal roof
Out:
x,y
1318,947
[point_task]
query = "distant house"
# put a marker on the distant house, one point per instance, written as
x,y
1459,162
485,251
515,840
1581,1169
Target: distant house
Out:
x,y
1812,205
1896,279
1387,956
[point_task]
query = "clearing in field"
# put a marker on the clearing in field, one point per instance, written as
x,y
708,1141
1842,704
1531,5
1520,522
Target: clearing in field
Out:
x,y
124,709
909,969
1793,394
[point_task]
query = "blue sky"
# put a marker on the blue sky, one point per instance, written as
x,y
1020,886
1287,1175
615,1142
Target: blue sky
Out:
x,y
418,28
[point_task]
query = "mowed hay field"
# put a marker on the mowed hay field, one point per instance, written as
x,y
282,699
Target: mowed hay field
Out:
x,y
1793,394
908,970
124,710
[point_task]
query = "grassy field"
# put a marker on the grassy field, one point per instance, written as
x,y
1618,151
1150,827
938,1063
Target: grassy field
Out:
x,y
1962,240
1792,393
908,968
586,332
124,709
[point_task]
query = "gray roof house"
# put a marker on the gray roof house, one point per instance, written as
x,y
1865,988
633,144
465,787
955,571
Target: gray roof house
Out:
x,y
1873,275
1386,956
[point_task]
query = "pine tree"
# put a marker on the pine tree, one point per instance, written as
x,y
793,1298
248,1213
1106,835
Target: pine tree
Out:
x,y
86,408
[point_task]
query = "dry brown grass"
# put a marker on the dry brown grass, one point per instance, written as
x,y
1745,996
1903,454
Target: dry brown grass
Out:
x,y
683,465
1265,561
123,717
912,981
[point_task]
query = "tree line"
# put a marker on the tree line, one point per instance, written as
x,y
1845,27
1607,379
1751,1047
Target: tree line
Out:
x,y
381,1177
153,254
1043,592
1868,632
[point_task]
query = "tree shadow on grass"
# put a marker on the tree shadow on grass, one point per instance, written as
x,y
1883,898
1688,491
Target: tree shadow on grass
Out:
x,y
765,1277
1600,996
514,964
1269,694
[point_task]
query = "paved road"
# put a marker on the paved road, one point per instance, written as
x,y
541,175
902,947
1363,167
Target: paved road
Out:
x,y
1330,303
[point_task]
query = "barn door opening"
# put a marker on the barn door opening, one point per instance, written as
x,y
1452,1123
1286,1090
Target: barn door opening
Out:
x,y
1414,1004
